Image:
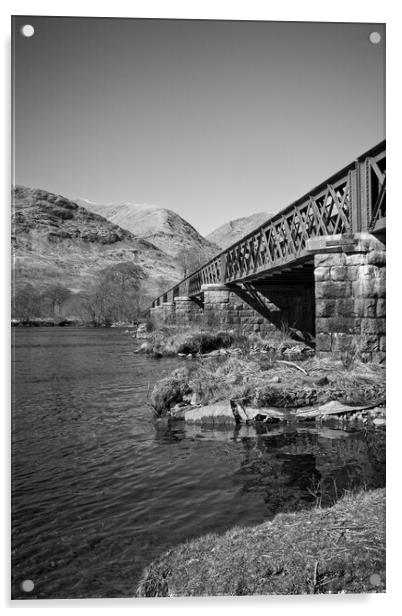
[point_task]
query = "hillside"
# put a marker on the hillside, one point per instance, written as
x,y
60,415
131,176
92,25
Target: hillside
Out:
x,y
56,240
160,226
232,231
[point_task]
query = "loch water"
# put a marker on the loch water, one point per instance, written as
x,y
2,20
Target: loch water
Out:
x,y
99,488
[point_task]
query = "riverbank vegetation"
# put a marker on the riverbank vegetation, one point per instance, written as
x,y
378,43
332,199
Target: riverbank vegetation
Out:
x,y
194,341
336,550
114,296
256,372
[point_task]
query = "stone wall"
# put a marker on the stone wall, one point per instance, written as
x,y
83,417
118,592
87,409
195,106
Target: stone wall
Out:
x,y
182,311
163,314
187,311
350,300
224,308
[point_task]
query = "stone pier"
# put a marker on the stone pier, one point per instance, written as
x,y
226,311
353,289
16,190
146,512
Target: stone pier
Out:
x,y
349,295
225,309
187,311
163,314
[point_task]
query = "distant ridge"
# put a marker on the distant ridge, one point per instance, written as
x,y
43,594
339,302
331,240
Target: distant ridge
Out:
x,y
234,230
160,226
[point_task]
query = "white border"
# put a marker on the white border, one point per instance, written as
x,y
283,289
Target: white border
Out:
x,y
305,10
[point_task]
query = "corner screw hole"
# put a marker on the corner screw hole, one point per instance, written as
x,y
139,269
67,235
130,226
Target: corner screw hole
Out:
x,y
374,37
27,30
27,585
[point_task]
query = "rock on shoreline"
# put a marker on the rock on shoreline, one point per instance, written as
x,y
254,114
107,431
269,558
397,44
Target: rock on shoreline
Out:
x,y
229,413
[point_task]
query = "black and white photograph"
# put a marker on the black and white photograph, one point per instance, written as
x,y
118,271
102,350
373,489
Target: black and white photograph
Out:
x,y
198,318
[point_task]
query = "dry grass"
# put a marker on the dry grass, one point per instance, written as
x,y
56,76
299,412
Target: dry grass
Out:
x,y
170,341
340,549
261,381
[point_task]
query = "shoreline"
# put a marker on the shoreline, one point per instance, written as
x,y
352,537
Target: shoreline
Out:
x,y
340,549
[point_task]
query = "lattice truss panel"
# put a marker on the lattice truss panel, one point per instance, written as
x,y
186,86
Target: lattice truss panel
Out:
x,y
284,237
209,274
377,188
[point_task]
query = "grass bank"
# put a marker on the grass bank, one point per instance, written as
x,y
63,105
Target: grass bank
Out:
x,y
339,549
194,342
262,380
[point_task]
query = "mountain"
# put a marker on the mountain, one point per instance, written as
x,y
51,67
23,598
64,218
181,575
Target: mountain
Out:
x,y
56,240
232,231
160,226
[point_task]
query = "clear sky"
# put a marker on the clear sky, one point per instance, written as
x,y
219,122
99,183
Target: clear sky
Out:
x,y
212,119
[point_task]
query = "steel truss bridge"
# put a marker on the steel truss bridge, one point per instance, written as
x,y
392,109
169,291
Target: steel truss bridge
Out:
x,y
352,200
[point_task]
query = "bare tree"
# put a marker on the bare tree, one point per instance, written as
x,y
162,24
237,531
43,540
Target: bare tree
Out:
x,y
190,260
57,294
116,295
27,303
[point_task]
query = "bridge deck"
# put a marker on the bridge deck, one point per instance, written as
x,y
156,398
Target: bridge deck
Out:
x,y
350,201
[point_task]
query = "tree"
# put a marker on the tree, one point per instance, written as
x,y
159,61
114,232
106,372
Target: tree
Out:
x,y
116,294
27,303
57,294
190,259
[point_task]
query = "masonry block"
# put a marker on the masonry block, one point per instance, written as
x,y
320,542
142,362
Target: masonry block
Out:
x,y
329,259
333,290
352,272
344,307
345,325
380,312
370,285
325,307
321,273
356,259
372,326
365,307
338,273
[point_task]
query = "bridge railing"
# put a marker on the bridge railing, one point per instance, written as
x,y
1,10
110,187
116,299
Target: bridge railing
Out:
x,y
350,201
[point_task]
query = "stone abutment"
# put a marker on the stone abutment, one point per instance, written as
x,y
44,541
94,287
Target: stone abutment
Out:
x,y
350,277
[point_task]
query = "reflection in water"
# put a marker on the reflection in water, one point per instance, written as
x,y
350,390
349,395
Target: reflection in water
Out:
x,y
294,467
99,489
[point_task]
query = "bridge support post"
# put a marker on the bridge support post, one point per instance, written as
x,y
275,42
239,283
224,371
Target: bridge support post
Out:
x,y
163,314
349,295
224,308
216,304
187,310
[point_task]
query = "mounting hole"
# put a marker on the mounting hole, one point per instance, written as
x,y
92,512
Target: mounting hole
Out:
x,y
375,579
27,585
27,30
374,37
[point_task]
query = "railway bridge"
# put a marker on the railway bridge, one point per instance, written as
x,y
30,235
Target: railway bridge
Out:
x,y
316,267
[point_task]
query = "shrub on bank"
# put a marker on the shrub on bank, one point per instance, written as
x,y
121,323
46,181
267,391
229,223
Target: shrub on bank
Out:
x,y
340,549
204,342
170,391
170,341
